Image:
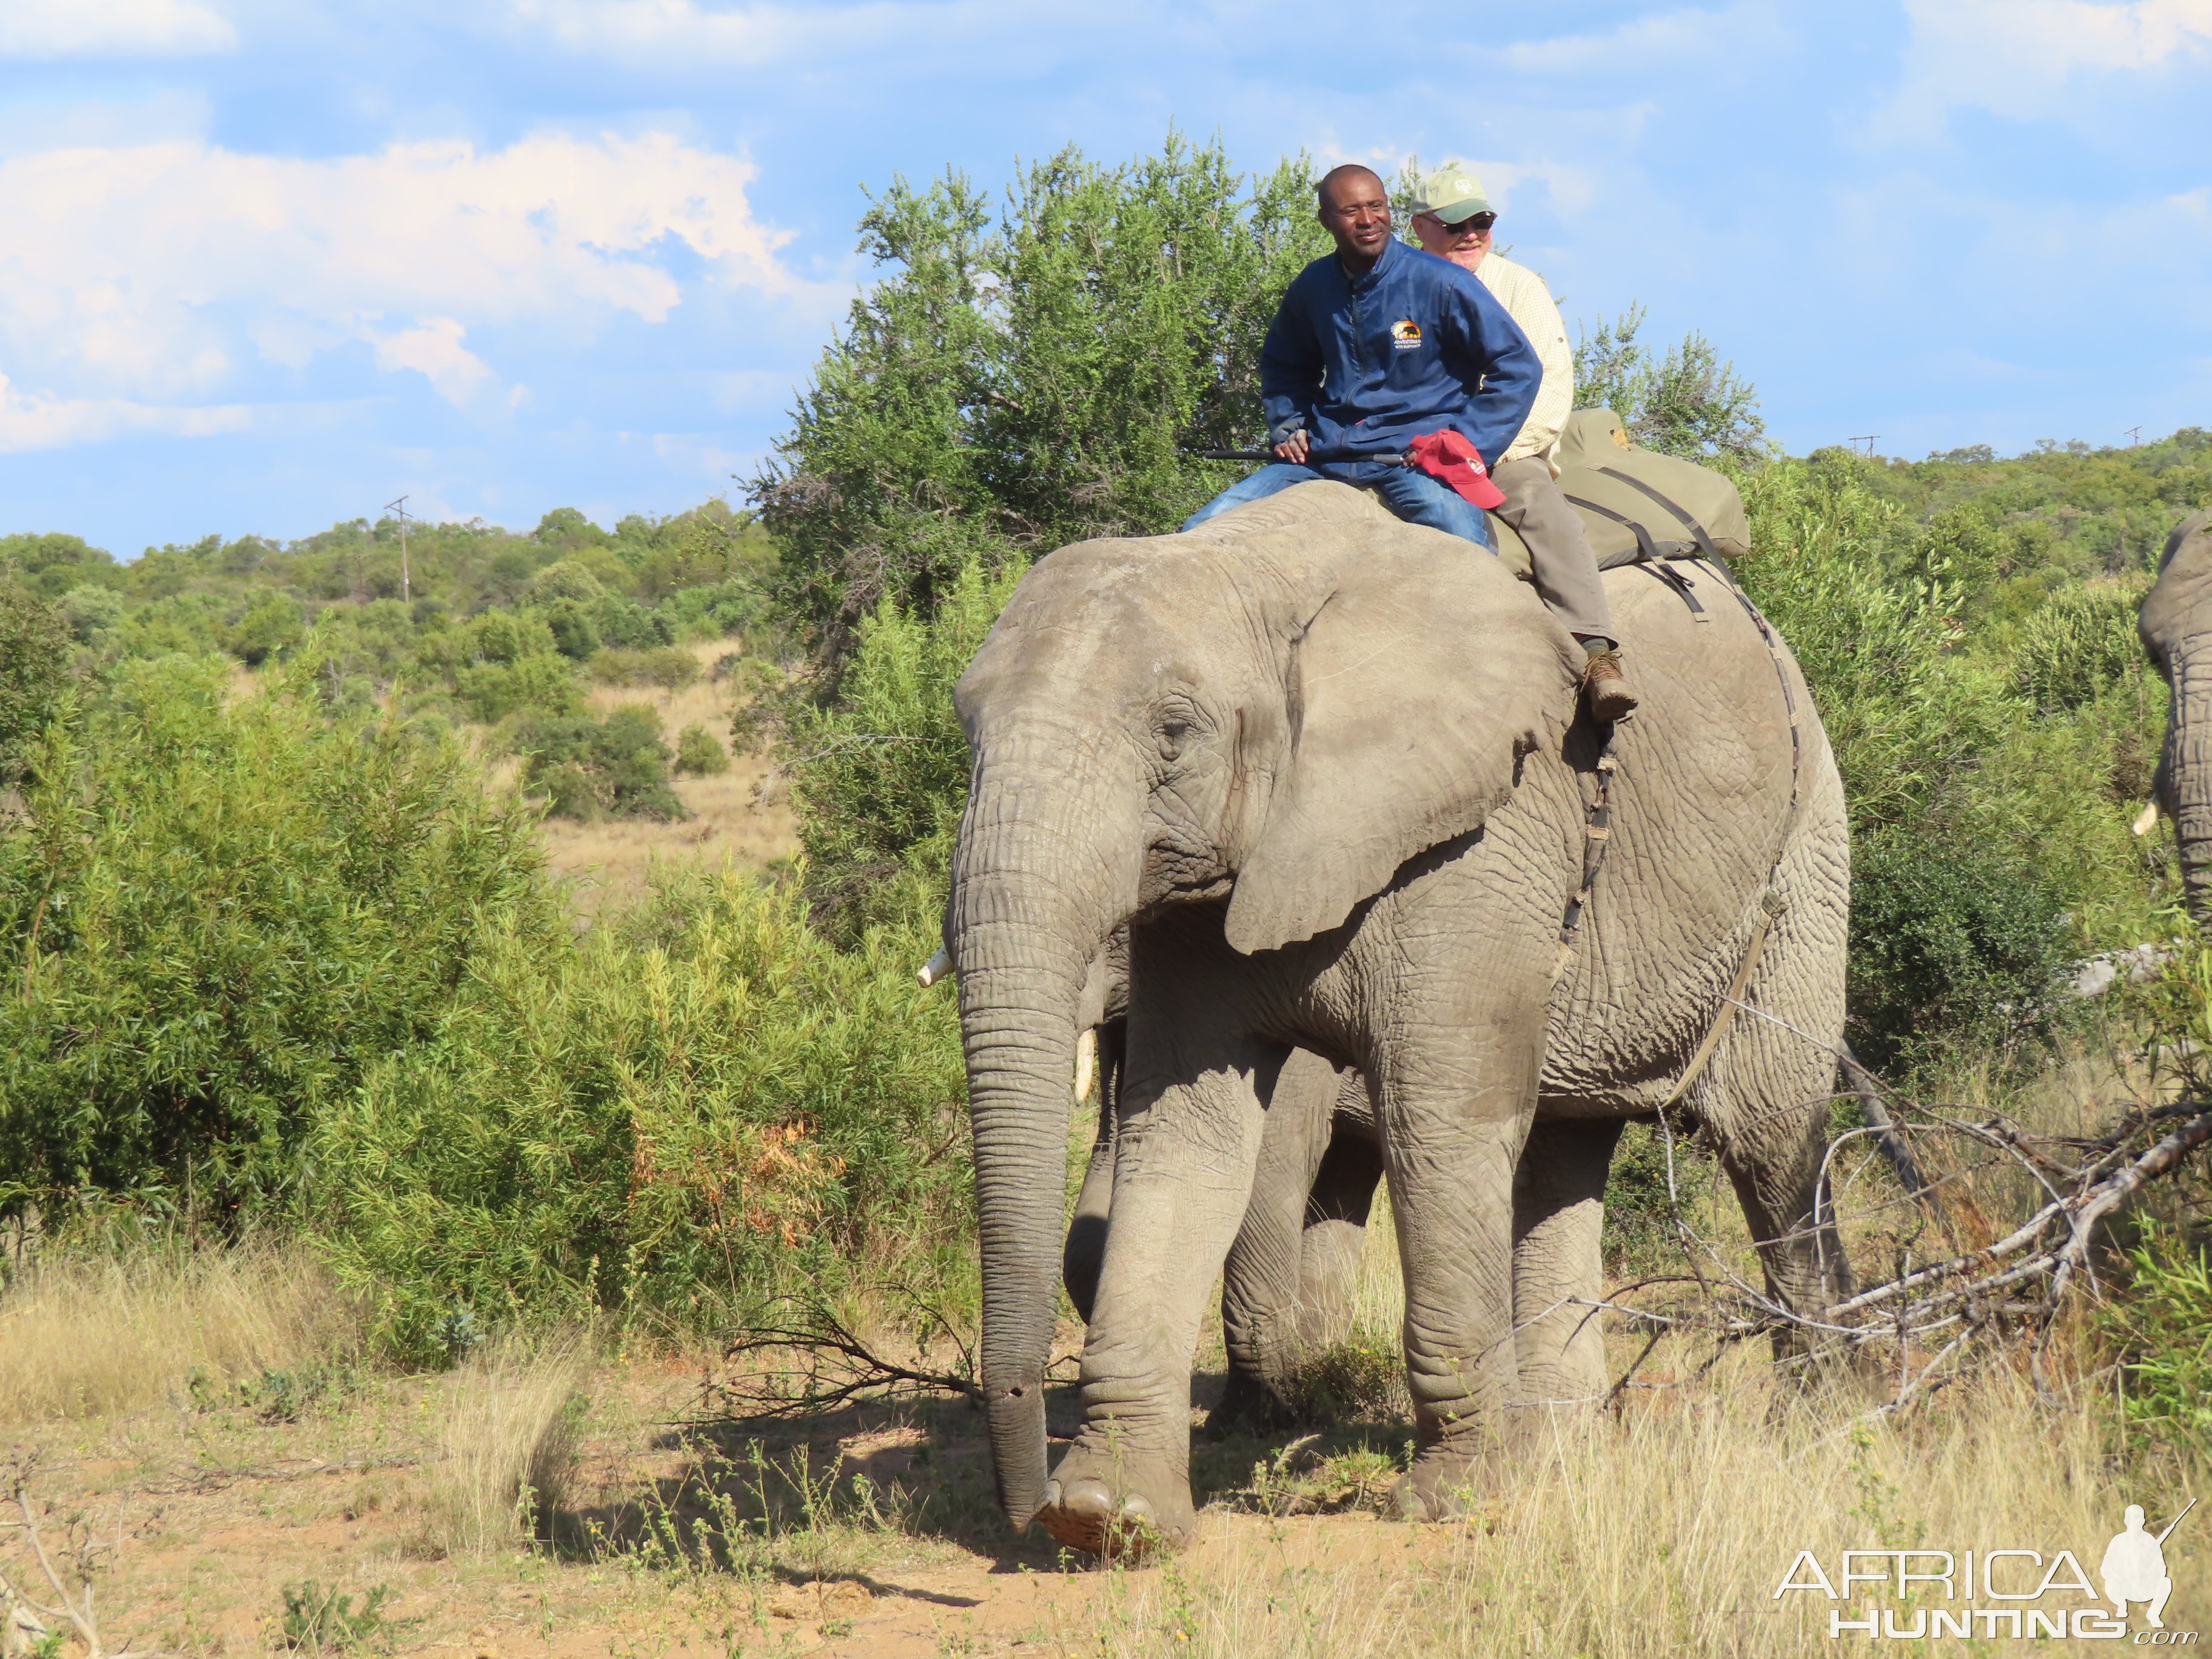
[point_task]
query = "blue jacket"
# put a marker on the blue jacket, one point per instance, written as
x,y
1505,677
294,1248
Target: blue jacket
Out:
x,y
1414,345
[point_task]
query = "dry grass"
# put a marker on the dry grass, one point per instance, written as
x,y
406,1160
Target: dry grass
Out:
x,y
1664,1535
81,1335
511,1428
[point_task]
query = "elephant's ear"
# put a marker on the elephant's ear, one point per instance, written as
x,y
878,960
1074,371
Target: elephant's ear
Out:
x,y
1424,676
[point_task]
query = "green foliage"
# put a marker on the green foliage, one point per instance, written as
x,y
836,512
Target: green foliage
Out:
x,y
33,674
1025,384
2163,1328
319,1620
273,625
2082,640
1688,403
879,778
1640,1209
213,918
699,752
668,666
613,768
1950,942
679,1117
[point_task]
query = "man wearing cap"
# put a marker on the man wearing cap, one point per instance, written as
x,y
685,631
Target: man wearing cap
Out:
x,y
1453,217
1401,373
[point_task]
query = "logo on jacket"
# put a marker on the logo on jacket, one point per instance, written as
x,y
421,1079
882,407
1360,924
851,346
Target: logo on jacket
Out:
x,y
1407,334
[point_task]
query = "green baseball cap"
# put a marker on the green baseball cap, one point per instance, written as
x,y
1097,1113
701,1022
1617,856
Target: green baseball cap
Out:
x,y
1452,193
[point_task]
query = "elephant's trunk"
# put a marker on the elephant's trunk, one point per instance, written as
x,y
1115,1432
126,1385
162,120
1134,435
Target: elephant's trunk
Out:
x,y
2188,764
1032,903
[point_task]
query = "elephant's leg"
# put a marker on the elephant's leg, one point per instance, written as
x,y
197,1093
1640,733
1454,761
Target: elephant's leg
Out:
x,y
1767,1097
1086,1228
1261,1316
1558,1216
1457,1104
1336,1223
1190,1133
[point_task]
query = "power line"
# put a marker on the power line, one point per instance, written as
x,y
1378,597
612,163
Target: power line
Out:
x,y
406,587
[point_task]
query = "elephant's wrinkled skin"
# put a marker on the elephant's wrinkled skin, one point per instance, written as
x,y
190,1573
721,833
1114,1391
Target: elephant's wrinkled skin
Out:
x,y
2176,626
1321,762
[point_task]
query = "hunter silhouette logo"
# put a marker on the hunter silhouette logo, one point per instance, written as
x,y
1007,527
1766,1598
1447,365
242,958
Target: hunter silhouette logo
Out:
x,y
1936,1592
2134,1568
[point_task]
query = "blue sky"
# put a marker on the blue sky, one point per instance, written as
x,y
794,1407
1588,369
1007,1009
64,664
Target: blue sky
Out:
x,y
268,264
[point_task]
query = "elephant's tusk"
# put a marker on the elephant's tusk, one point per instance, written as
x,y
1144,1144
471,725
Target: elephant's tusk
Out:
x,y
2147,820
937,967
1086,1062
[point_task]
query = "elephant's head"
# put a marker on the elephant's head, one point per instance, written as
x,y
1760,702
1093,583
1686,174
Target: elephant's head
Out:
x,y
2176,629
1278,708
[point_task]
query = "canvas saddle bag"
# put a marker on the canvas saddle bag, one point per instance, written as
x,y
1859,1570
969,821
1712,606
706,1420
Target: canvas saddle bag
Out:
x,y
1636,504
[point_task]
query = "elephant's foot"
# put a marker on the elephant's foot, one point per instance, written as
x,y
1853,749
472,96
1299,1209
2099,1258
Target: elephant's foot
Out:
x,y
1115,1502
1442,1489
1247,1406
1458,1477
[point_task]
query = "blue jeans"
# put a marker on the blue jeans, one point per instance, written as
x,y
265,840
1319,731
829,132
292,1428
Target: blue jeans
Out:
x,y
1414,496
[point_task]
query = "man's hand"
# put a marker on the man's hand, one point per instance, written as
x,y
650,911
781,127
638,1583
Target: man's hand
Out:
x,y
1293,448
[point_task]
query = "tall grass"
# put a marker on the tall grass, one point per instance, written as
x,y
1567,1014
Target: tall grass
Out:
x,y
509,1429
83,1333
1663,1535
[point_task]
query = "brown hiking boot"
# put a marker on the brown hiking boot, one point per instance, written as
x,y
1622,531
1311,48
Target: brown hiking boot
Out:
x,y
1605,688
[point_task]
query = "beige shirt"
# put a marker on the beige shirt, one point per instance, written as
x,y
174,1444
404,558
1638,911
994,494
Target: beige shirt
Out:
x,y
1528,299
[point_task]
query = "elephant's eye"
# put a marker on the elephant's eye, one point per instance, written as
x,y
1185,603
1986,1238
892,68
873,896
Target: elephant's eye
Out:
x,y
1175,738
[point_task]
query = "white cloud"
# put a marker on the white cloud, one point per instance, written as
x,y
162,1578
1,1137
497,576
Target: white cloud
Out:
x,y
162,270
682,30
42,420
434,351
1713,40
111,28
2014,58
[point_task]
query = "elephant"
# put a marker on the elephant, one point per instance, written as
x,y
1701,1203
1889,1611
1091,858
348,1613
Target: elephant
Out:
x,y
1329,771
2176,626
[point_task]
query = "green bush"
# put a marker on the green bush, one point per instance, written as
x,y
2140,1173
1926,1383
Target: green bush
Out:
x,y
2081,641
272,627
668,666
687,1113
588,769
879,778
35,674
2163,1328
699,752
1951,941
213,918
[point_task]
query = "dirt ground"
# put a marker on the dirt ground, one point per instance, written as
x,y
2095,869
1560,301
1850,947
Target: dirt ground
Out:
x,y
869,1532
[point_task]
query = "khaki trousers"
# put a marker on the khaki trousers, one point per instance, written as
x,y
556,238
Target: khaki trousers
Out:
x,y
1566,570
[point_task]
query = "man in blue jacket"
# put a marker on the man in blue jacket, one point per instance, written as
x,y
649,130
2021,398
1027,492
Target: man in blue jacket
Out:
x,y
1375,346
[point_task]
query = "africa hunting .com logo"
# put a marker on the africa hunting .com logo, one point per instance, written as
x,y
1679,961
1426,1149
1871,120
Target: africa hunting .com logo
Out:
x,y
1933,1584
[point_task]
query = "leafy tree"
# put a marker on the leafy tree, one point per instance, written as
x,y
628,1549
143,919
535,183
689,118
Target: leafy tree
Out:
x,y
1013,385
212,917
588,769
1688,403
34,659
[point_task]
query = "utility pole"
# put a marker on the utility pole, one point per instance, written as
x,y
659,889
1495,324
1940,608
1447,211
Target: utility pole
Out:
x,y
406,587
1868,439
2135,437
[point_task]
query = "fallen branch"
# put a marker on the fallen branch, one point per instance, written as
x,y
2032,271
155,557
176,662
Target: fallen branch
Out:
x,y
826,1364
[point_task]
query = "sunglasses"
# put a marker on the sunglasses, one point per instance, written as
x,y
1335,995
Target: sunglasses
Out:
x,y
1478,223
